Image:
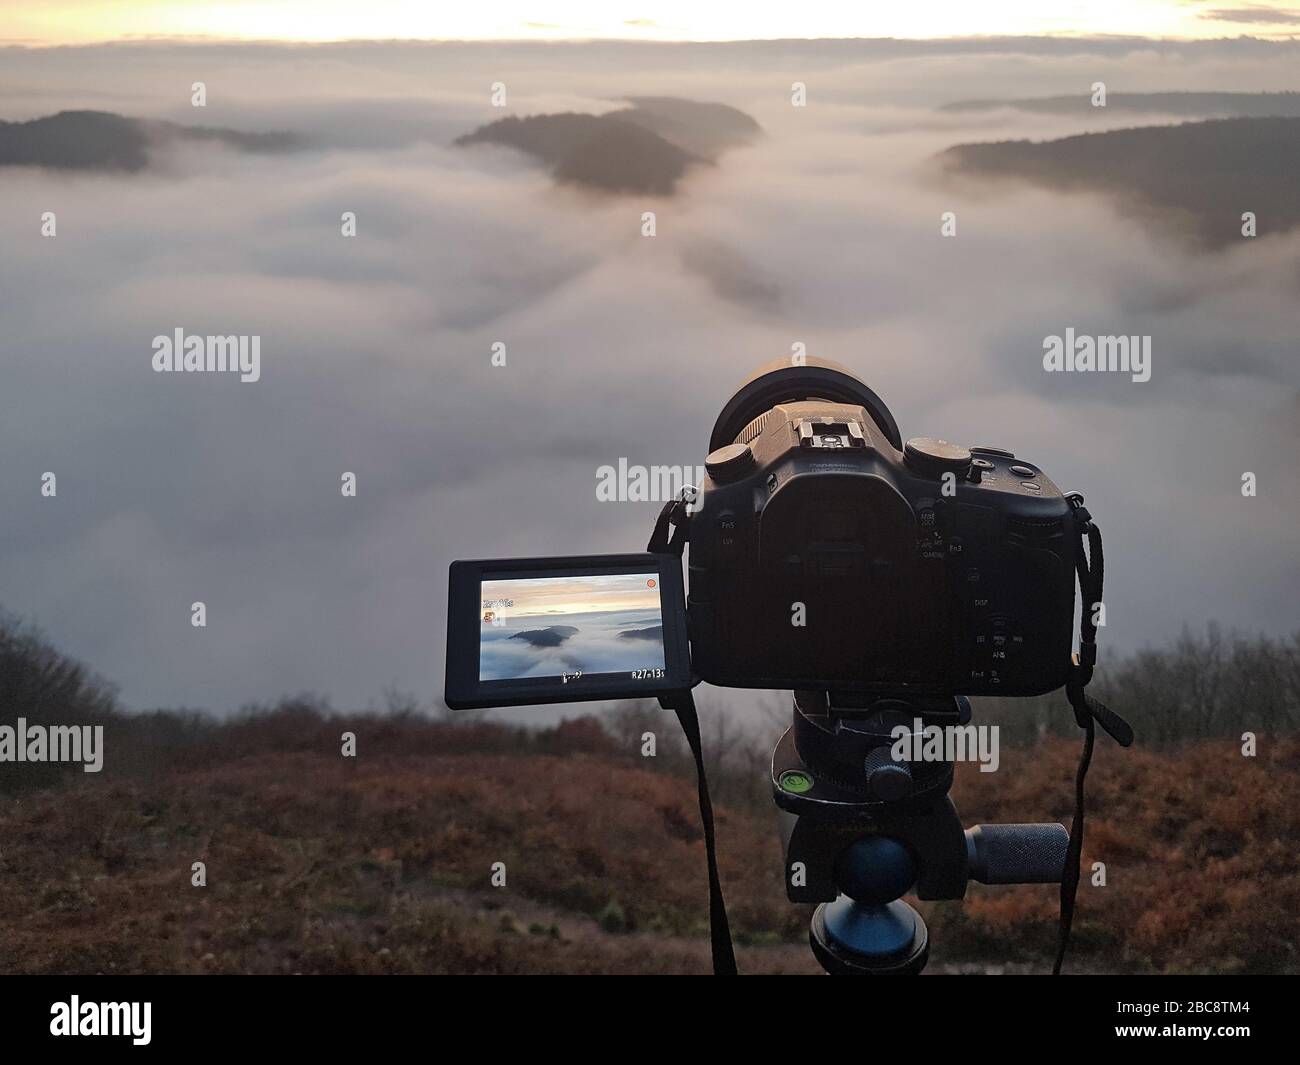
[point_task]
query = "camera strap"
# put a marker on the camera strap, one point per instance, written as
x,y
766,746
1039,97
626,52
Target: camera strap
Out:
x,y
674,515
724,957
1088,712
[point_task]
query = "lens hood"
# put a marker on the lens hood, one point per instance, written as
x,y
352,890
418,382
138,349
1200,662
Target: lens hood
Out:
x,y
782,382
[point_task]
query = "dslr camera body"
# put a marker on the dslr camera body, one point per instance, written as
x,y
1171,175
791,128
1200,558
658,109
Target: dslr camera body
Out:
x,y
826,554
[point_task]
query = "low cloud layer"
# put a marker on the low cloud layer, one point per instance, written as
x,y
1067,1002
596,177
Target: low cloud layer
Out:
x,y
376,349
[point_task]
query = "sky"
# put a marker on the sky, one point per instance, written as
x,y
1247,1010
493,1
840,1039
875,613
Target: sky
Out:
x,y
55,22
376,350
573,595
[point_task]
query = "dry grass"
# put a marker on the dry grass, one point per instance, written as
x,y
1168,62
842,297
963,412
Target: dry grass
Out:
x,y
1201,848
317,863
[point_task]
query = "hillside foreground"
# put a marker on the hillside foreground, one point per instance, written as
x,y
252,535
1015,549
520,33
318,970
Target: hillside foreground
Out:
x,y
317,863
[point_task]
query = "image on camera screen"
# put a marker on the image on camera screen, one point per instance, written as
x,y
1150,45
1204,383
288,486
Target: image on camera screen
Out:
x,y
571,627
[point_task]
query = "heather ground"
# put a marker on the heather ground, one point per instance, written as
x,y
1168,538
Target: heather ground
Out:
x,y
323,864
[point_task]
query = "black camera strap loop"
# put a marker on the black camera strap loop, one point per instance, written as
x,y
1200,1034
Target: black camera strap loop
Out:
x,y
672,519
724,957
675,515
1087,710
1091,569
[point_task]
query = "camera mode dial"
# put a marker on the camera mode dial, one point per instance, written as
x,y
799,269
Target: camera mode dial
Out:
x,y
933,458
730,463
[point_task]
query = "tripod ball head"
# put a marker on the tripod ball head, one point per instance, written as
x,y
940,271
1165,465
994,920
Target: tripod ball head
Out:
x,y
875,870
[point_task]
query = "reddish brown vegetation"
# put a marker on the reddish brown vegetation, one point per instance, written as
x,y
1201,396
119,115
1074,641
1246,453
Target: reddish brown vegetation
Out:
x,y
318,863
1201,848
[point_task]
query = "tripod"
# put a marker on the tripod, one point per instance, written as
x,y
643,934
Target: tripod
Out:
x,y
860,829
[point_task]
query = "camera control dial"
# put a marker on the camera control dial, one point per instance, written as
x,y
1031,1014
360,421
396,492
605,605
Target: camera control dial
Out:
x,y
729,463
933,458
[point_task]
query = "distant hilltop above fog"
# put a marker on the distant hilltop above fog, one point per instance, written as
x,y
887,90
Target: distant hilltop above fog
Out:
x,y
1188,104
100,140
1194,180
551,636
644,148
653,633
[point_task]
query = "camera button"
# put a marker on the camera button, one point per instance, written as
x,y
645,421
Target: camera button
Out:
x,y
1031,486
727,529
1023,471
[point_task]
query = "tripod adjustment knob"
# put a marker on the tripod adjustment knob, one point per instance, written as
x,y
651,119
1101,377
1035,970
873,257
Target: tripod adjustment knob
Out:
x,y
888,780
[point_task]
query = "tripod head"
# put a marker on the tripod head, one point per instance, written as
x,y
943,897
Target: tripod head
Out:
x,y
861,827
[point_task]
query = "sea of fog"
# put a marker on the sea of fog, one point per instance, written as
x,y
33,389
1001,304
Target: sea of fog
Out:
x,y
606,641
377,350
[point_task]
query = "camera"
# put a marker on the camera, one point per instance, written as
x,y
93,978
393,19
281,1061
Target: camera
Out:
x,y
882,583
826,554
